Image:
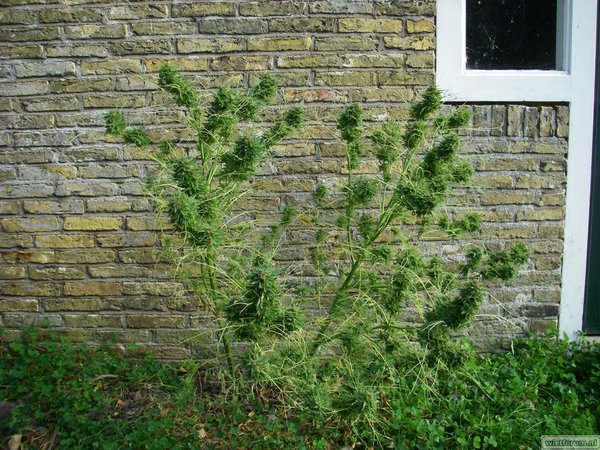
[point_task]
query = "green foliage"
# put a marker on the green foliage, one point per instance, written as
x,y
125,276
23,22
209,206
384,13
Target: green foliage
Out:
x,y
61,395
387,143
469,224
264,89
241,163
357,363
293,120
505,264
429,105
349,124
137,136
54,391
115,123
179,87
361,191
198,192
260,305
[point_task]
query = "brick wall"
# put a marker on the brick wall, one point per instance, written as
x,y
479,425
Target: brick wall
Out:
x,y
80,248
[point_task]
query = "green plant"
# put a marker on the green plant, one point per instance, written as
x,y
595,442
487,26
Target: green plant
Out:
x,y
56,394
60,395
345,371
199,188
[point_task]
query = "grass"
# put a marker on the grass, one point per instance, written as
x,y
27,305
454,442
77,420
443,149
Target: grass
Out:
x,y
56,394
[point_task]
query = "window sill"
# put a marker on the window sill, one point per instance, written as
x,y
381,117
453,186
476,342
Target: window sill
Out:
x,y
505,85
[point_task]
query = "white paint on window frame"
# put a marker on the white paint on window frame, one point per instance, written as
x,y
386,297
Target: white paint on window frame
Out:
x,y
574,85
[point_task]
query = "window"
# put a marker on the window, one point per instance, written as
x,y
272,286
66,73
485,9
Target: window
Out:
x,y
514,34
476,61
505,50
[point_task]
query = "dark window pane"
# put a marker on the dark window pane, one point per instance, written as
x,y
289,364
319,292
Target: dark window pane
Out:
x,y
511,34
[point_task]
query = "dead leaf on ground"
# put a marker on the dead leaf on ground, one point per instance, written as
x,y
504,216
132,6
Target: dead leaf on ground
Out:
x,y
14,442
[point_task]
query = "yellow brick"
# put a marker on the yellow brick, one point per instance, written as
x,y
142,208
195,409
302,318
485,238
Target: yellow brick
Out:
x,y
32,34
25,88
403,78
148,224
410,42
45,69
541,214
420,60
117,204
316,95
137,239
145,47
29,289
119,271
45,104
161,289
85,256
12,272
199,9
310,62
341,7
69,86
128,336
498,164
400,95
156,321
279,44
368,61
96,31
512,198
22,51
356,25
163,28
210,45
14,305
186,64
113,67
272,8
47,172
92,223
91,288
345,79
420,26
17,17
161,352
300,25
93,320
140,256
130,12
71,15
9,208
241,63
56,273
28,225
65,241
346,43
113,101
41,257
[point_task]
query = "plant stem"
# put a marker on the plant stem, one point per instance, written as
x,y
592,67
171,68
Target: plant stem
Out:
x,y
210,265
384,220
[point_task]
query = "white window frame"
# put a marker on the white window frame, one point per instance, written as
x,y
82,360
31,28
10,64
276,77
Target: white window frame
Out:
x,y
575,85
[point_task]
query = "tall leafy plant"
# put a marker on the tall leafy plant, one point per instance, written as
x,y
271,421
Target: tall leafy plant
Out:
x,y
389,304
418,168
198,188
